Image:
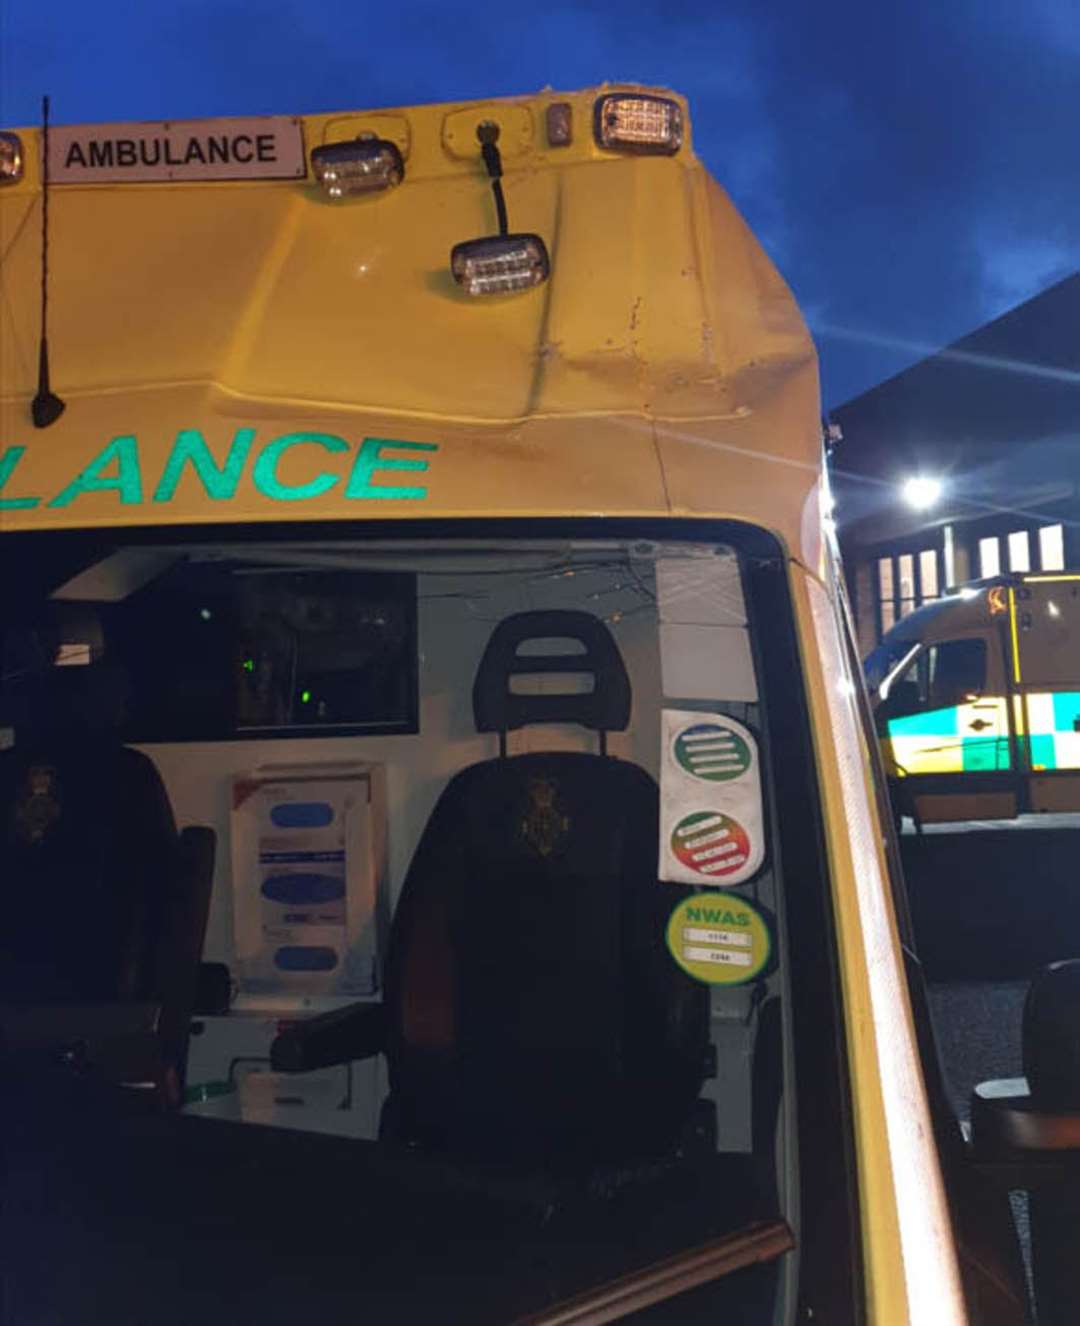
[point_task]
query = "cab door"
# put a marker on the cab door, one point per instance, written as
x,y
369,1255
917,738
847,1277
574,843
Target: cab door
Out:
x,y
945,726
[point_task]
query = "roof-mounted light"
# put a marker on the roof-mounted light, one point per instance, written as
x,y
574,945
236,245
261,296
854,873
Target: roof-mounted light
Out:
x,y
11,158
361,165
638,123
500,264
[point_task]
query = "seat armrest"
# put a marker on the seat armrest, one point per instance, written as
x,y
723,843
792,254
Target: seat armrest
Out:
x,y
355,1032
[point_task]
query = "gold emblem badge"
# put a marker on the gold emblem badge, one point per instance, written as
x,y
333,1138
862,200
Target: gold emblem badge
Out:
x,y
544,826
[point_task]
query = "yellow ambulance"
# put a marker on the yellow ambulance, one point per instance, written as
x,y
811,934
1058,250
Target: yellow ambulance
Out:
x,y
977,699
427,507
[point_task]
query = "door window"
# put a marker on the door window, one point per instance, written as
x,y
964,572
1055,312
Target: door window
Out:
x,y
955,672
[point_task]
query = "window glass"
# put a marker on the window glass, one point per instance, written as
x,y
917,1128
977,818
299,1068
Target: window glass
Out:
x,y
989,558
907,576
1019,551
928,574
1052,548
956,672
709,740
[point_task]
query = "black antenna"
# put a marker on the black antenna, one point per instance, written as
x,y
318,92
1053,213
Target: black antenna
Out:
x,y
488,134
45,408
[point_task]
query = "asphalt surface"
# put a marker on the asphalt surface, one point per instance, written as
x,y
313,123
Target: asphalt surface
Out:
x,y
991,903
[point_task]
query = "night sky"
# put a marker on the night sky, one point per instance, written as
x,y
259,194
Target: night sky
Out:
x,y
911,165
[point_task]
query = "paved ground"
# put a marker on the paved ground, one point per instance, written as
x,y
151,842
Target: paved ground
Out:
x,y
995,902
978,1030
991,902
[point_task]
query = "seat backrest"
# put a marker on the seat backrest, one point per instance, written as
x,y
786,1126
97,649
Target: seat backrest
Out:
x,y
89,851
533,1006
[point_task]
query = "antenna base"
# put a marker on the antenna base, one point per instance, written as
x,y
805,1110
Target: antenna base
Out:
x,y
45,409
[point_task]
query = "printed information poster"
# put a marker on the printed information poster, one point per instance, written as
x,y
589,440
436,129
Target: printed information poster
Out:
x,y
711,829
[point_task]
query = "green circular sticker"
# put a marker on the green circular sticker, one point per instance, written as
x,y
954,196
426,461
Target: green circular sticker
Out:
x,y
713,752
719,938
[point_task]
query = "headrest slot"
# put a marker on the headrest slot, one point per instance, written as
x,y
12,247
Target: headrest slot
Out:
x,y
497,708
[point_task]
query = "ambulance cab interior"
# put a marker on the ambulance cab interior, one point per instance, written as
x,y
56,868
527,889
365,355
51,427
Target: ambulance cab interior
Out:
x,y
539,1102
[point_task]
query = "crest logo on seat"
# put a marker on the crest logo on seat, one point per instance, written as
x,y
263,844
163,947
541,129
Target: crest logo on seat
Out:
x,y
38,806
544,826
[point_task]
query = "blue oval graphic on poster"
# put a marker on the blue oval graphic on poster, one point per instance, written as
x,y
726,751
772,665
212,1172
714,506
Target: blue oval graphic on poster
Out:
x,y
303,887
302,815
302,958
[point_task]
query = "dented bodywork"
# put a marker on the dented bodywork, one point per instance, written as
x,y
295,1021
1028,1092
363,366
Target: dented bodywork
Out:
x,y
663,368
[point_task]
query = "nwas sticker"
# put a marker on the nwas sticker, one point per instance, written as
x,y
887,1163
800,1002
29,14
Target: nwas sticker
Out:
x,y
720,938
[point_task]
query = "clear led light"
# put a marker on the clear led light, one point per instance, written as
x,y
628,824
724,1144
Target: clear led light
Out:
x,y
500,264
363,165
638,123
11,158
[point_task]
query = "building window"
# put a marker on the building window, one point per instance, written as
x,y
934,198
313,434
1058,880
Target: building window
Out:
x,y
989,558
1019,551
905,582
928,575
906,562
1052,548
886,593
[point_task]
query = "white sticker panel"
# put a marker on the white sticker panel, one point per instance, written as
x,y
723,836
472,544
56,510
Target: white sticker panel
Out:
x,y
142,152
704,641
711,822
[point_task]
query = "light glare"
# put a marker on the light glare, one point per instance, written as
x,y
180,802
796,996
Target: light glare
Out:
x,y
921,491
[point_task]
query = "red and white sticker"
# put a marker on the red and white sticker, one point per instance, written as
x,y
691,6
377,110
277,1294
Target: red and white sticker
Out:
x,y
711,828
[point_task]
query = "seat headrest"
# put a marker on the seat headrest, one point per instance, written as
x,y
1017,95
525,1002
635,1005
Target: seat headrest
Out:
x,y
56,679
499,709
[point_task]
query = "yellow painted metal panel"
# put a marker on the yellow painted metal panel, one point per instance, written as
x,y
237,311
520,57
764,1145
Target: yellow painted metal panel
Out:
x,y
910,1264
217,306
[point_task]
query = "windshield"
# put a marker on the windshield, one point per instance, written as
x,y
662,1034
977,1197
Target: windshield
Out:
x,y
881,662
501,961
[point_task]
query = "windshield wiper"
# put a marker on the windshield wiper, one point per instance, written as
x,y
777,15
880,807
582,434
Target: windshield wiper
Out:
x,y
763,1241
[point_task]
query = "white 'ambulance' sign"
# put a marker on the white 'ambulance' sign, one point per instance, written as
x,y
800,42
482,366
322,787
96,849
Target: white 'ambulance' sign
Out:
x,y
260,147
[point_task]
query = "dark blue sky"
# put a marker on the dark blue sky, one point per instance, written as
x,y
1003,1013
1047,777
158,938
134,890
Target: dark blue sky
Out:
x,y
911,165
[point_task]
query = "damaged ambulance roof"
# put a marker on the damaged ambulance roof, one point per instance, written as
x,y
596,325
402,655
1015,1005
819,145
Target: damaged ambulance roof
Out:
x,y
234,343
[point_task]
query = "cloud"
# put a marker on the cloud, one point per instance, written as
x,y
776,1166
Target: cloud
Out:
x,y
907,166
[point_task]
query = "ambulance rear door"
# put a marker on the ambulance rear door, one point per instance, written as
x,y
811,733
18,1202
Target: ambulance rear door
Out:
x,y
1045,626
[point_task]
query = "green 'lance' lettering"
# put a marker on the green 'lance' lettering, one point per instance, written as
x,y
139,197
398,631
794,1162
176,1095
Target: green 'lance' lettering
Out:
x,y
8,461
369,459
265,471
219,481
127,480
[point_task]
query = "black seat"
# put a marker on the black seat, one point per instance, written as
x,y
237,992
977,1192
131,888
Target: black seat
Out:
x,y
105,904
532,1010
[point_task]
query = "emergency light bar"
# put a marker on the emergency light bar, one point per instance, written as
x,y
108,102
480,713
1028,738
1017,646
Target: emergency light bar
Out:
x,y
638,123
11,158
361,165
500,264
